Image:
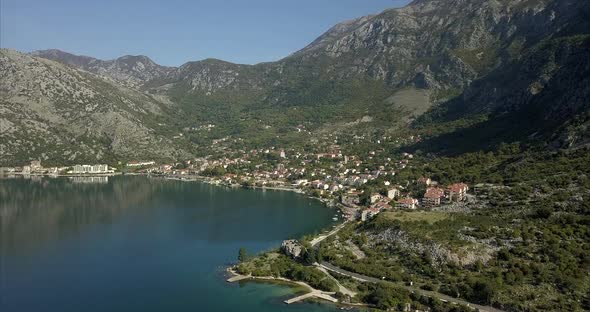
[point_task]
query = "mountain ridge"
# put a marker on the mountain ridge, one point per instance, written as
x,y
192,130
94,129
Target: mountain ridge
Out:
x,y
51,111
447,49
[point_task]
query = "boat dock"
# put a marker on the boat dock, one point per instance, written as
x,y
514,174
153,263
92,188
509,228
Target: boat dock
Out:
x,y
316,294
237,278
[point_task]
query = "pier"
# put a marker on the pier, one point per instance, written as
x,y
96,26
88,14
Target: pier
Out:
x,y
238,278
313,294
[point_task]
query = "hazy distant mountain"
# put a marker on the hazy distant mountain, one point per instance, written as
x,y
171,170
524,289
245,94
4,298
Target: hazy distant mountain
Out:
x,y
509,56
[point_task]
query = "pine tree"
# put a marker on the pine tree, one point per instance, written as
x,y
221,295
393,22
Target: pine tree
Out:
x,y
242,255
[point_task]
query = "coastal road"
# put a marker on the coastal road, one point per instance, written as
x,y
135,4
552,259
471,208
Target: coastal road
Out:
x,y
431,294
320,238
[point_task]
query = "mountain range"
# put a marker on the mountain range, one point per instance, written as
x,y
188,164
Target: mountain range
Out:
x,y
471,72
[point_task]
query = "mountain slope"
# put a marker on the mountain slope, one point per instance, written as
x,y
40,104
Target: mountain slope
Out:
x,y
541,97
508,59
129,70
54,112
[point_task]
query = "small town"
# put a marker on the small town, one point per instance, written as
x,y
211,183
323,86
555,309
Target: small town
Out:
x,y
361,186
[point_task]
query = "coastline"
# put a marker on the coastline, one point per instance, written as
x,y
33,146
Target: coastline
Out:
x,y
309,291
197,178
192,177
53,175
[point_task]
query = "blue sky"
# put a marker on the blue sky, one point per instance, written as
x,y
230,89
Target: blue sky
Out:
x,y
173,32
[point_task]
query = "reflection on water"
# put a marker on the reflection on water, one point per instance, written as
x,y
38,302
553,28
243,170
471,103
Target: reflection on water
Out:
x,y
102,180
33,210
36,210
140,244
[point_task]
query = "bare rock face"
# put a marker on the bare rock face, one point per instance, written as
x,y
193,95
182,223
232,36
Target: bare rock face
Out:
x,y
428,44
437,44
292,248
61,112
130,70
438,254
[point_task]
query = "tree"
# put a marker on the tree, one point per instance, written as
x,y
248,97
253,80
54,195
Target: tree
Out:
x,y
242,254
386,297
504,255
483,292
543,212
309,256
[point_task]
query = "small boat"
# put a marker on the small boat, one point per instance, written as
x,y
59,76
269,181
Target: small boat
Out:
x,y
335,219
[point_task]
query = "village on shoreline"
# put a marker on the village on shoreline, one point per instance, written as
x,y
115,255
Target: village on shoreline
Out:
x,y
360,186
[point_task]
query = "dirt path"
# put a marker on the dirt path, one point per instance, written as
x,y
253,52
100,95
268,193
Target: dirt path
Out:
x,y
356,251
320,238
341,288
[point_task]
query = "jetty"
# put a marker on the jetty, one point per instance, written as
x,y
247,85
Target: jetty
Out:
x,y
238,278
314,294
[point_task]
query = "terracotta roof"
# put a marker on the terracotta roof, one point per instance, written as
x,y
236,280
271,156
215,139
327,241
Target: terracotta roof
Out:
x,y
407,201
458,187
434,192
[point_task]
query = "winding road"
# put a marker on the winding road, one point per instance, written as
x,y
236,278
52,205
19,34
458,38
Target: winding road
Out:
x,y
432,294
363,278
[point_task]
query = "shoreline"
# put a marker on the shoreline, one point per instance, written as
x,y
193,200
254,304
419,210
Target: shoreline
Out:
x,y
189,178
197,178
54,175
183,178
310,292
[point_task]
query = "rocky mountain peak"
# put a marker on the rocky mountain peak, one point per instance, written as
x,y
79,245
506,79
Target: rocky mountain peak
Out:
x,y
65,57
129,70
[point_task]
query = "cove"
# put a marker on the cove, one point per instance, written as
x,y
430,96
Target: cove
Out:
x,y
142,244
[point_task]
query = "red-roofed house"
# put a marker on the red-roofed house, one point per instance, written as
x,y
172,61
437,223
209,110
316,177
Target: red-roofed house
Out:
x,y
457,191
407,203
433,196
382,204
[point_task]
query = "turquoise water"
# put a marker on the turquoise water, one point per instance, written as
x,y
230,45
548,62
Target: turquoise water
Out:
x,y
141,244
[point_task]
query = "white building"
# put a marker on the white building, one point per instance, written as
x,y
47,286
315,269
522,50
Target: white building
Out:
x,y
90,169
375,197
393,193
141,163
